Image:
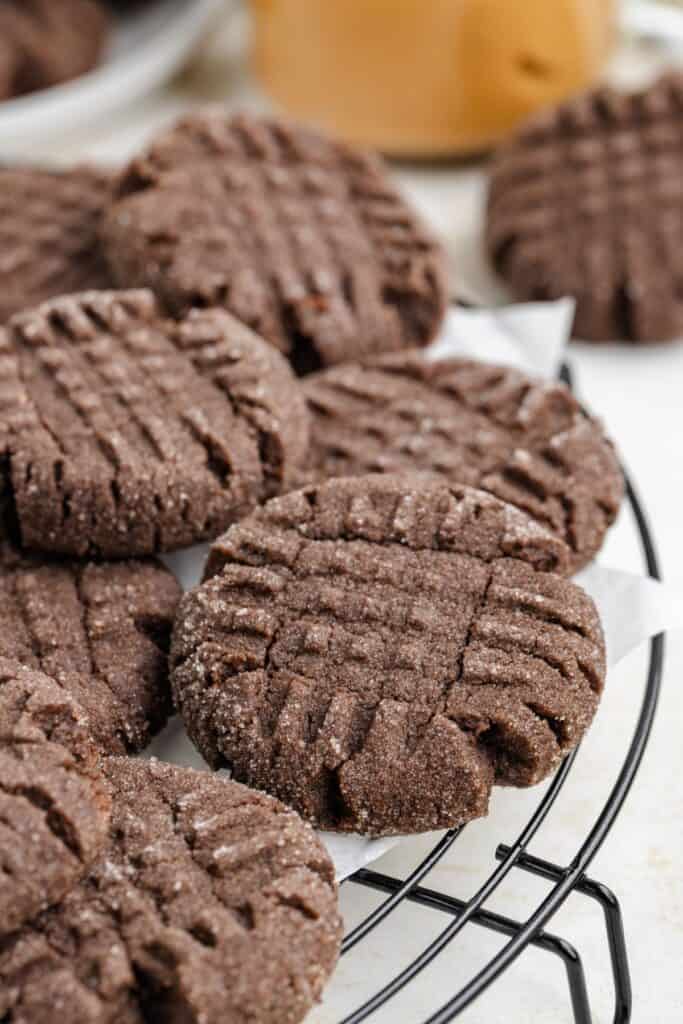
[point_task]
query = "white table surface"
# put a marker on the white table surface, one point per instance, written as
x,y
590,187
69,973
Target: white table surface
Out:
x,y
638,392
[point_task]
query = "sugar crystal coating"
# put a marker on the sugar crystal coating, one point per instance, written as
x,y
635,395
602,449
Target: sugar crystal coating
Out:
x,y
211,904
304,239
375,650
54,803
101,631
124,433
525,440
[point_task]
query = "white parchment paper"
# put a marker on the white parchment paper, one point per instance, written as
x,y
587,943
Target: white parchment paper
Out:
x,y
633,608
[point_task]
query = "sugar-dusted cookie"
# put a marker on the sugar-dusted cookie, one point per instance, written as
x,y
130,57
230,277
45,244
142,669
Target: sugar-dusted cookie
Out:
x,y
525,440
101,631
124,433
211,904
304,239
54,802
376,650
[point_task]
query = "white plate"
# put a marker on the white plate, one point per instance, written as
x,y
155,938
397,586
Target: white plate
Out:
x,y
145,50
654,20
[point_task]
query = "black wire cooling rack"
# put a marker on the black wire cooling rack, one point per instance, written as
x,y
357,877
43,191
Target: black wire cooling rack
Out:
x,y
514,856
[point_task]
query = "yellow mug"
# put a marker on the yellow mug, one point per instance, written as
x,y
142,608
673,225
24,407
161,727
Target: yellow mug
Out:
x,y
427,77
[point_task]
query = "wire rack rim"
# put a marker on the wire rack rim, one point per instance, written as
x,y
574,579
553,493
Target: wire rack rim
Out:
x,y
566,880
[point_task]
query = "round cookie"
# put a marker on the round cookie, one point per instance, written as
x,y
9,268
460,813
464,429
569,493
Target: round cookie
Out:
x,y
101,631
213,904
526,441
302,238
49,222
376,650
125,434
587,201
51,42
54,804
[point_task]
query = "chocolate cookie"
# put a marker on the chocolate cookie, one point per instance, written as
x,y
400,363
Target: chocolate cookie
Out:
x,y
588,201
524,440
49,222
302,238
7,68
213,904
124,433
375,650
51,42
54,804
99,630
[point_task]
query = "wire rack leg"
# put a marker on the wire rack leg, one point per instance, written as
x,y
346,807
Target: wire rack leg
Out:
x,y
617,947
614,923
569,955
575,977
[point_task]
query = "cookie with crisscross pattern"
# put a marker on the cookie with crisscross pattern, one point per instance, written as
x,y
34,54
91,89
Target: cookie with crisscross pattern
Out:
x,y
376,650
124,433
211,903
304,239
101,631
587,201
525,440
54,802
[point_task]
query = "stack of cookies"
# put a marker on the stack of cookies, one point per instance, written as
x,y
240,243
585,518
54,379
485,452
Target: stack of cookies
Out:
x,y
223,342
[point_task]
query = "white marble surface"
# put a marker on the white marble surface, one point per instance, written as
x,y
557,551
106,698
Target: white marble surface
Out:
x,y
638,392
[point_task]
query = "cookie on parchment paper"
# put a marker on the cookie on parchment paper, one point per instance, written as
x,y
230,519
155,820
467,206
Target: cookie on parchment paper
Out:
x,y
376,651
54,802
101,631
212,903
587,201
123,433
304,239
525,440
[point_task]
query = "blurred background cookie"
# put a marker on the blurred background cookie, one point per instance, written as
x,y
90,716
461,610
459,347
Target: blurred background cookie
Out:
x,y
302,238
50,41
49,223
587,201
